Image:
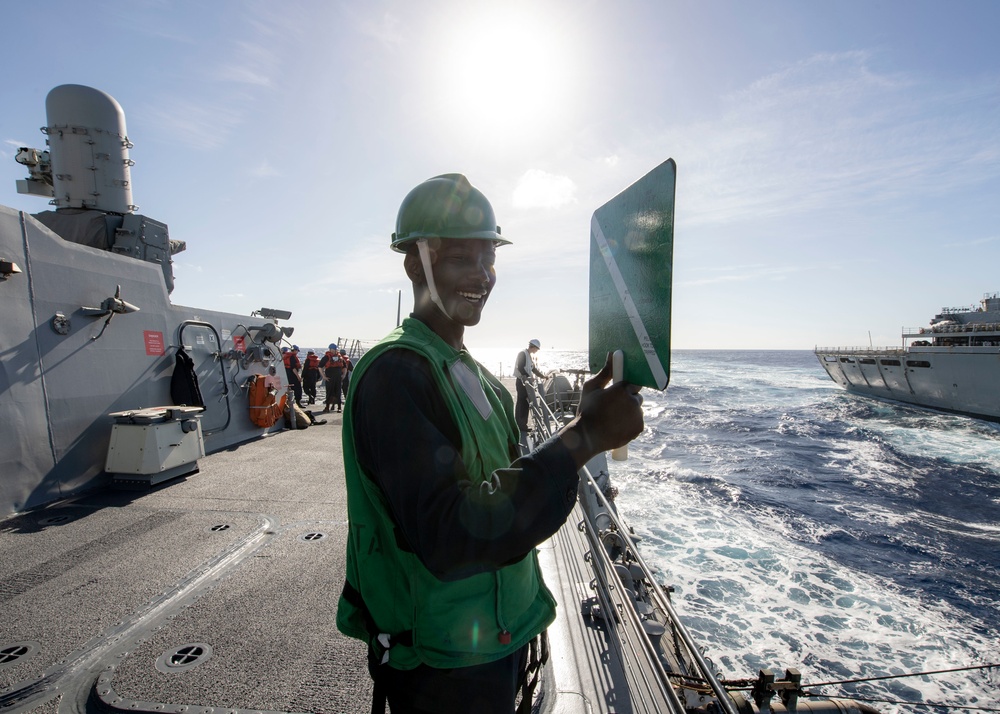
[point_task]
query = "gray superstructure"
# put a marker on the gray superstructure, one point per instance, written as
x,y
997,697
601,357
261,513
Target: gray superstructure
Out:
x,y
88,326
952,365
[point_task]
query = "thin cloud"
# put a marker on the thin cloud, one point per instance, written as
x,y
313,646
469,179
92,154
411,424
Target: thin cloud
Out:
x,y
264,170
14,144
246,67
744,273
831,131
540,189
969,243
196,124
384,29
242,74
369,265
253,63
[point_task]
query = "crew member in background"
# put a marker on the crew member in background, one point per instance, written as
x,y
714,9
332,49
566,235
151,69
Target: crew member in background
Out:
x,y
333,367
443,580
310,375
293,370
524,367
348,368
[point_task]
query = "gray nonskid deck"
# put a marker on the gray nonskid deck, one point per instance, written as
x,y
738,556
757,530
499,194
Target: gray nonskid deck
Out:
x,y
244,559
241,563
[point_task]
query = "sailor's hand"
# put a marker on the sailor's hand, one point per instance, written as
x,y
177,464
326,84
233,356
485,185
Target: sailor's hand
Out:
x,y
608,417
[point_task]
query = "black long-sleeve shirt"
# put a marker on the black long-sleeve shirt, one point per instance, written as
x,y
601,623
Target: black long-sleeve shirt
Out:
x,y
409,445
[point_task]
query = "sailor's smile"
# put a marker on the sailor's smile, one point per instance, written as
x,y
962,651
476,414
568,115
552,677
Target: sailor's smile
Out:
x,y
465,276
474,297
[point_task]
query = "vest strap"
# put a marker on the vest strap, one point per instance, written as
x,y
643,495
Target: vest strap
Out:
x,y
379,644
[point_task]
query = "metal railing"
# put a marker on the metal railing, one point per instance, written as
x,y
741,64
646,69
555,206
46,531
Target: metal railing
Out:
x,y
860,350
643,658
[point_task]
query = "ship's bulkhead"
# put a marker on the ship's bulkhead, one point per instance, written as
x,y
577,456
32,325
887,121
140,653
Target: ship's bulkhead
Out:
x,y
64,368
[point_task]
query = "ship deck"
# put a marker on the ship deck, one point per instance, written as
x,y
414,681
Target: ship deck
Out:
x,y
217,592
244,560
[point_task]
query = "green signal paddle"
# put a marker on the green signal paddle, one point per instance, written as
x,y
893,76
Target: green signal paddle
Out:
x,y
631,267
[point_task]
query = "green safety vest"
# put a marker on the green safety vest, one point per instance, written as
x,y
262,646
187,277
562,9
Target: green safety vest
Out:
x,y
461,623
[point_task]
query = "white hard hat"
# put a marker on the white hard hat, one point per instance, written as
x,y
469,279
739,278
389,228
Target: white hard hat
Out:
x,y
534,343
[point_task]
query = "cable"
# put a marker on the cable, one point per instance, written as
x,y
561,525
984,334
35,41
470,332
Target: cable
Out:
x,y
912,674
900,676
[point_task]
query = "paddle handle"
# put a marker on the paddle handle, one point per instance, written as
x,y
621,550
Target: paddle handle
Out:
x,y
617,375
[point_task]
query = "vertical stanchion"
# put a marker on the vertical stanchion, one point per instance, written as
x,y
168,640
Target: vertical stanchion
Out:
x,y
618,375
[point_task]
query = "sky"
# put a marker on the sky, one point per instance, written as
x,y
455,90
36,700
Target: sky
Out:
x,y
838,163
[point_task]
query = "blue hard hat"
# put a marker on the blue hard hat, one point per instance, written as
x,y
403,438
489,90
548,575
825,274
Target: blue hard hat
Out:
x,y
295,348
333,346
284,350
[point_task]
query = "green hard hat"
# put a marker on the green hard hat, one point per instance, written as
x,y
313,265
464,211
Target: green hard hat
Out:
x,y
446,206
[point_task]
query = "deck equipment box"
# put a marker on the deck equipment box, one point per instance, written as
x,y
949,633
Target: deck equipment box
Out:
x,y
149,446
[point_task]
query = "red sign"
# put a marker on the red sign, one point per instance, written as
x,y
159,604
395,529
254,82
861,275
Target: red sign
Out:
x,y
154,343
239,344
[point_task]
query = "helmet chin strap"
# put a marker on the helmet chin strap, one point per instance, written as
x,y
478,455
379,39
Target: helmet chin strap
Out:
x,y
425,260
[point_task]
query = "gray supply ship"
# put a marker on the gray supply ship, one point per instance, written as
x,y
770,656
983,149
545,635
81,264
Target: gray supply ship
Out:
x,y
209,583
953,365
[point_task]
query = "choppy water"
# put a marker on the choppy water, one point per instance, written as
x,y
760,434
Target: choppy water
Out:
x,y
805,527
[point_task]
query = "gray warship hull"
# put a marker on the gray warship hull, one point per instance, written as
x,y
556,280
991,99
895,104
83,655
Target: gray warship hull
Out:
x,y
952,366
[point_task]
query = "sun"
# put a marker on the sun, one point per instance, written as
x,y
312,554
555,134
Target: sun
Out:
x,y
509,67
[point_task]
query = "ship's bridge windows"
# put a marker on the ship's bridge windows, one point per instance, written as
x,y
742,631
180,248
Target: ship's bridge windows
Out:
x,y
890,362
917,363
866,360
849,360
829,358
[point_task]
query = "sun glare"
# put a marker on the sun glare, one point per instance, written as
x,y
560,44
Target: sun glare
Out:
x,y
510,66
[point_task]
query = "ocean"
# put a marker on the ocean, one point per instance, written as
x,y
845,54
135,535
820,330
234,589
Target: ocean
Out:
x,y
804,527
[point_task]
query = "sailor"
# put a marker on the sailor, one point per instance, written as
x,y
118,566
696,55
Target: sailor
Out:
x,y
310,375
333,368
293,370
524,369
442,576
348,368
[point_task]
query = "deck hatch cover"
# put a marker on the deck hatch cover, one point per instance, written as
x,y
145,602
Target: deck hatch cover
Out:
x,y
184,657
311,537
16,653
